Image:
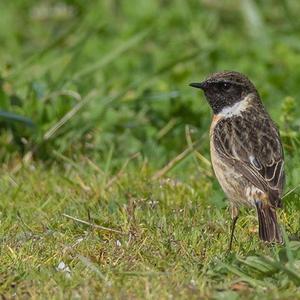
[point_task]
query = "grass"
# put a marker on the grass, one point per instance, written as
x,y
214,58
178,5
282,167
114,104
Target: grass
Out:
x,y
170,242
106,186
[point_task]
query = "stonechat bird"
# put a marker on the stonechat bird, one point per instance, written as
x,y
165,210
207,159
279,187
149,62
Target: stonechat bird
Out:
x,y
246,150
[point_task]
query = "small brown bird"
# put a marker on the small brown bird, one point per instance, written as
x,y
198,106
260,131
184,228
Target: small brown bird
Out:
x,y
246,150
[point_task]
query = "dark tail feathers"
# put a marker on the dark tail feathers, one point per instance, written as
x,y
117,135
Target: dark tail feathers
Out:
x,y
269,230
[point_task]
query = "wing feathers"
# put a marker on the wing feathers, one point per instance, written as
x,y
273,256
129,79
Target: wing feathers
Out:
x,y
255,152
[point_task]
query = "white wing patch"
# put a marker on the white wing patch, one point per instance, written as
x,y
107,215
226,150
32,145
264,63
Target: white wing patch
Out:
x,y
254,162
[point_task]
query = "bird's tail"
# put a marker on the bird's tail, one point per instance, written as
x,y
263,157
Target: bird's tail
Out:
x,y
269,229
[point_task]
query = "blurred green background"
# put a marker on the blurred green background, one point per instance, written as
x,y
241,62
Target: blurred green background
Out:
x,y
97,77
87,86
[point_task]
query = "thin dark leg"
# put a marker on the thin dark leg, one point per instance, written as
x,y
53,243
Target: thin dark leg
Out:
x,y
234,220
234,217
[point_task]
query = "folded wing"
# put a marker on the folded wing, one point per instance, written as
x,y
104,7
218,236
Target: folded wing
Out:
x,y
251,145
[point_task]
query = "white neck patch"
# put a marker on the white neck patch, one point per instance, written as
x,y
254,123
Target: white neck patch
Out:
x,y
235,109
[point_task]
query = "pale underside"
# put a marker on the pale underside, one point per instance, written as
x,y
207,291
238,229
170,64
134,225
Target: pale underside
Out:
x,y
238,189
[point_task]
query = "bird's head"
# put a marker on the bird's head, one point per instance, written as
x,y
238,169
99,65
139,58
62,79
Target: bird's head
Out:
x,y
224,89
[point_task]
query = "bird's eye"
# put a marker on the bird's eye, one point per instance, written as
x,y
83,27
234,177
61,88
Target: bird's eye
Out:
x,y
225,86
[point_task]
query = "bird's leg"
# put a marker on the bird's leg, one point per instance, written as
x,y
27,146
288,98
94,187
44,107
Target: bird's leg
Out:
x,y
234,216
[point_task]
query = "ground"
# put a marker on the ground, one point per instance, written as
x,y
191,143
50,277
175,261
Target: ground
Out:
x,y
106,185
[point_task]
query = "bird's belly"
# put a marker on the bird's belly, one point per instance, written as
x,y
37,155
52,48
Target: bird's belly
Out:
x,y
234,185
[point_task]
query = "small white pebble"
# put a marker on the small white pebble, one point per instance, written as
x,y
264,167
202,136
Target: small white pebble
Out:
x,y
62,267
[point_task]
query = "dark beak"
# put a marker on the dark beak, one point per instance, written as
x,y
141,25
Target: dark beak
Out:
x,y
200,85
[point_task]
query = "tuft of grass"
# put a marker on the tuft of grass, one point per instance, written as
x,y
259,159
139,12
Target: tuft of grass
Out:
x,y
106,186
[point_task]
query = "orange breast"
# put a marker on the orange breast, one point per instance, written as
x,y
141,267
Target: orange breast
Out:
x,y
215,120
